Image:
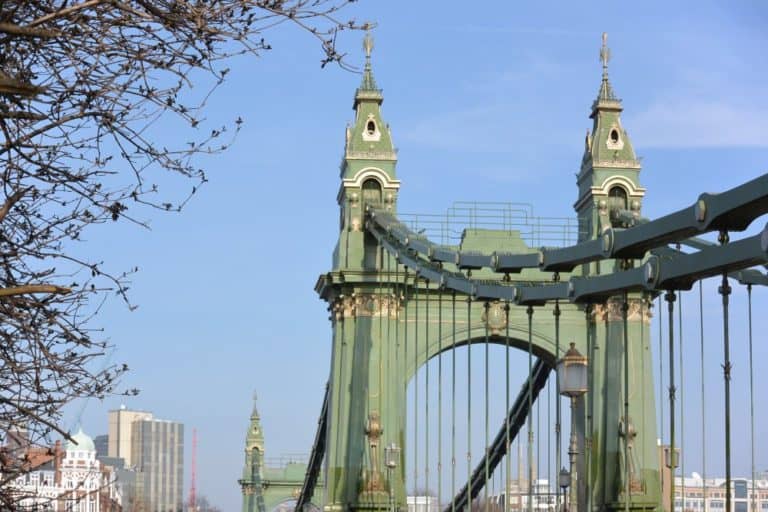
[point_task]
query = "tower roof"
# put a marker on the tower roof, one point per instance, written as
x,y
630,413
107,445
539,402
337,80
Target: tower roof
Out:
x,y
368,90
81,441
255,436
606,97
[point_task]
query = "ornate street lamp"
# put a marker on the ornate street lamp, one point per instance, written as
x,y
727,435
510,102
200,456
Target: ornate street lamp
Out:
x,y
564,480
391,456
572,372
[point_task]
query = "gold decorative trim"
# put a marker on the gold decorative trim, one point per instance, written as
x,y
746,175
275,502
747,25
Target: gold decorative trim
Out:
x,y
366,304
495,318
611,311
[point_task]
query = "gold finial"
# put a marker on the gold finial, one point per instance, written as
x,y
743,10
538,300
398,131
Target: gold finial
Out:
x,y
605,54
368,42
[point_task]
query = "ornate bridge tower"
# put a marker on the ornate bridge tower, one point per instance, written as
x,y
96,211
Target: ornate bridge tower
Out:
x,y
610,196
253,470
269,485
363,312
387,322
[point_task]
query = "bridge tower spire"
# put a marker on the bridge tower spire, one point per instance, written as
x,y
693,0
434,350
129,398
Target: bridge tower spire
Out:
x,y
367,171
251,483
366,402
610,196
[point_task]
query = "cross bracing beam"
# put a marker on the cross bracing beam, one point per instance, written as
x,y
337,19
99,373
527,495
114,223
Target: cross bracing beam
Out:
x,y
748,276
732,210
515,418
657,273
316,457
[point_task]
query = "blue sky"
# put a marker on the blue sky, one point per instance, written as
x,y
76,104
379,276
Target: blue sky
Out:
x,y
486,102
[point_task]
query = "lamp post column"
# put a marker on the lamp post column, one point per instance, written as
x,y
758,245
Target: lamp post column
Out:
x,y
572,374
391,454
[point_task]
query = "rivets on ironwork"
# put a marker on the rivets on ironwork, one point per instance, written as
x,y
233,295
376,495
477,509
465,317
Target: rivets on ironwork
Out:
x,y
700,210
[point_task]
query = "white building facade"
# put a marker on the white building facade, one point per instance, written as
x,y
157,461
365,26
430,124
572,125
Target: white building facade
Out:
x,y
76,483
694,494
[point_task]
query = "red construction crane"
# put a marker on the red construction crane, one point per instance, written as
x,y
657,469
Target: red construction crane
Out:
x,y
192,507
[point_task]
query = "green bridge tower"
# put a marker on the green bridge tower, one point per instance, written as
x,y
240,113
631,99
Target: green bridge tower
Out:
x,y
385,323
269,485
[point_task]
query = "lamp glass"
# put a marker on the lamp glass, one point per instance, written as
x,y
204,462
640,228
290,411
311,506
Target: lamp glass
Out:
x,y
572,372
564,478
391,454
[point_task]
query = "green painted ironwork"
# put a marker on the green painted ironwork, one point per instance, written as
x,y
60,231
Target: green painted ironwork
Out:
x,y
267,483
600,300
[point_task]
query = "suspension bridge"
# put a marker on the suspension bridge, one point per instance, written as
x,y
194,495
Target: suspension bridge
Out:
x,y
406,293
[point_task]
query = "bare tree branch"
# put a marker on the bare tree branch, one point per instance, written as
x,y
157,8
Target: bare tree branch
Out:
x,y
86,87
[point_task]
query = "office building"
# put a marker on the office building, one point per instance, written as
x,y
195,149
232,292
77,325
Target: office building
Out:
x,y
102,445
157,455
120,433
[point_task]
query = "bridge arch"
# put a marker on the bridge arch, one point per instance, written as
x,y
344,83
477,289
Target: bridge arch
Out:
x,y
435,338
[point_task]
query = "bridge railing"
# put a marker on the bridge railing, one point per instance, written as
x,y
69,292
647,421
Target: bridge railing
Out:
x,y
283,460
448,228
